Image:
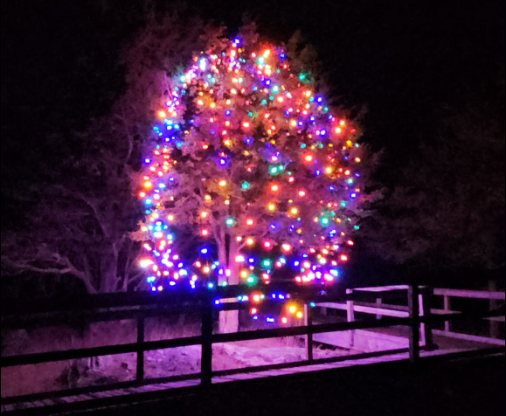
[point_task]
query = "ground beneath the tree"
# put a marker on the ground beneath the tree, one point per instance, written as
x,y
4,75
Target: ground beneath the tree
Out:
x,y
187,360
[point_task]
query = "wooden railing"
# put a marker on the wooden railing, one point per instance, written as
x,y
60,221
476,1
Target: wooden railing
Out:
x,y
493,297
424,304
144,306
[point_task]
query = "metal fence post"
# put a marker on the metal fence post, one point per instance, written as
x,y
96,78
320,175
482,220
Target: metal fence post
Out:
x,y
141,334
414,314
207,343
308,320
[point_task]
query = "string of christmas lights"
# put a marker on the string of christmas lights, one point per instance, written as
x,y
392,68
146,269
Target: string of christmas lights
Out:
x,y
258,166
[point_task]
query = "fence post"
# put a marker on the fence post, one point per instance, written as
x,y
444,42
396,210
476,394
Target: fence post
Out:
x,y
308,321
448,309
351,315
426,311
494,304
207,343
414,311
379,305
141,333
421,311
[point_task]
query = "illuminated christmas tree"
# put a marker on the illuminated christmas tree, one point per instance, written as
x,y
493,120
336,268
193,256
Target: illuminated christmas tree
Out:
x,y
254,162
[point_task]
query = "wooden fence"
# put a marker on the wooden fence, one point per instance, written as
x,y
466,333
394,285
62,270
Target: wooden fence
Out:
x,y
424,304
143,306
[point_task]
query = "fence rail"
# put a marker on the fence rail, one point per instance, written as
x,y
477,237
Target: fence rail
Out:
x,y
415,318
426,311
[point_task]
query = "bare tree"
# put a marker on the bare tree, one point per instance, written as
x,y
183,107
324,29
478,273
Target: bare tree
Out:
x,y
82,208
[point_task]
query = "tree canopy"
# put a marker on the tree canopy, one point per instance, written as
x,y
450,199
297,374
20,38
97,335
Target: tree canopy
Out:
x,y
250,156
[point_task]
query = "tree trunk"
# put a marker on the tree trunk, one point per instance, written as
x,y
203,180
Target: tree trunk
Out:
x,y
109,274
223,259
234,278
229,320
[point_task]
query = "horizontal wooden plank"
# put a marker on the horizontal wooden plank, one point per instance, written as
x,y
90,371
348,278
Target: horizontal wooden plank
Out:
x,y
97,352
382,289
110,390
69,317
461,316
471,338
371,310
304,330
175,297
470,294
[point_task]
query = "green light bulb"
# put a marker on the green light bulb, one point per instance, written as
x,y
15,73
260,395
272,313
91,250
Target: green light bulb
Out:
x,y
267,264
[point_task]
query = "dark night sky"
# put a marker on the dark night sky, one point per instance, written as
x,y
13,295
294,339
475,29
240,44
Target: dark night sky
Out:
x,y
404,60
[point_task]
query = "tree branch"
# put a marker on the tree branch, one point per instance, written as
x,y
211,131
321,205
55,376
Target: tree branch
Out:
x,y
68,269
128,135
21,268
96,212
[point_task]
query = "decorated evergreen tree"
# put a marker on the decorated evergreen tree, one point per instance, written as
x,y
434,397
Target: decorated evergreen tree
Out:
x,y
252,162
